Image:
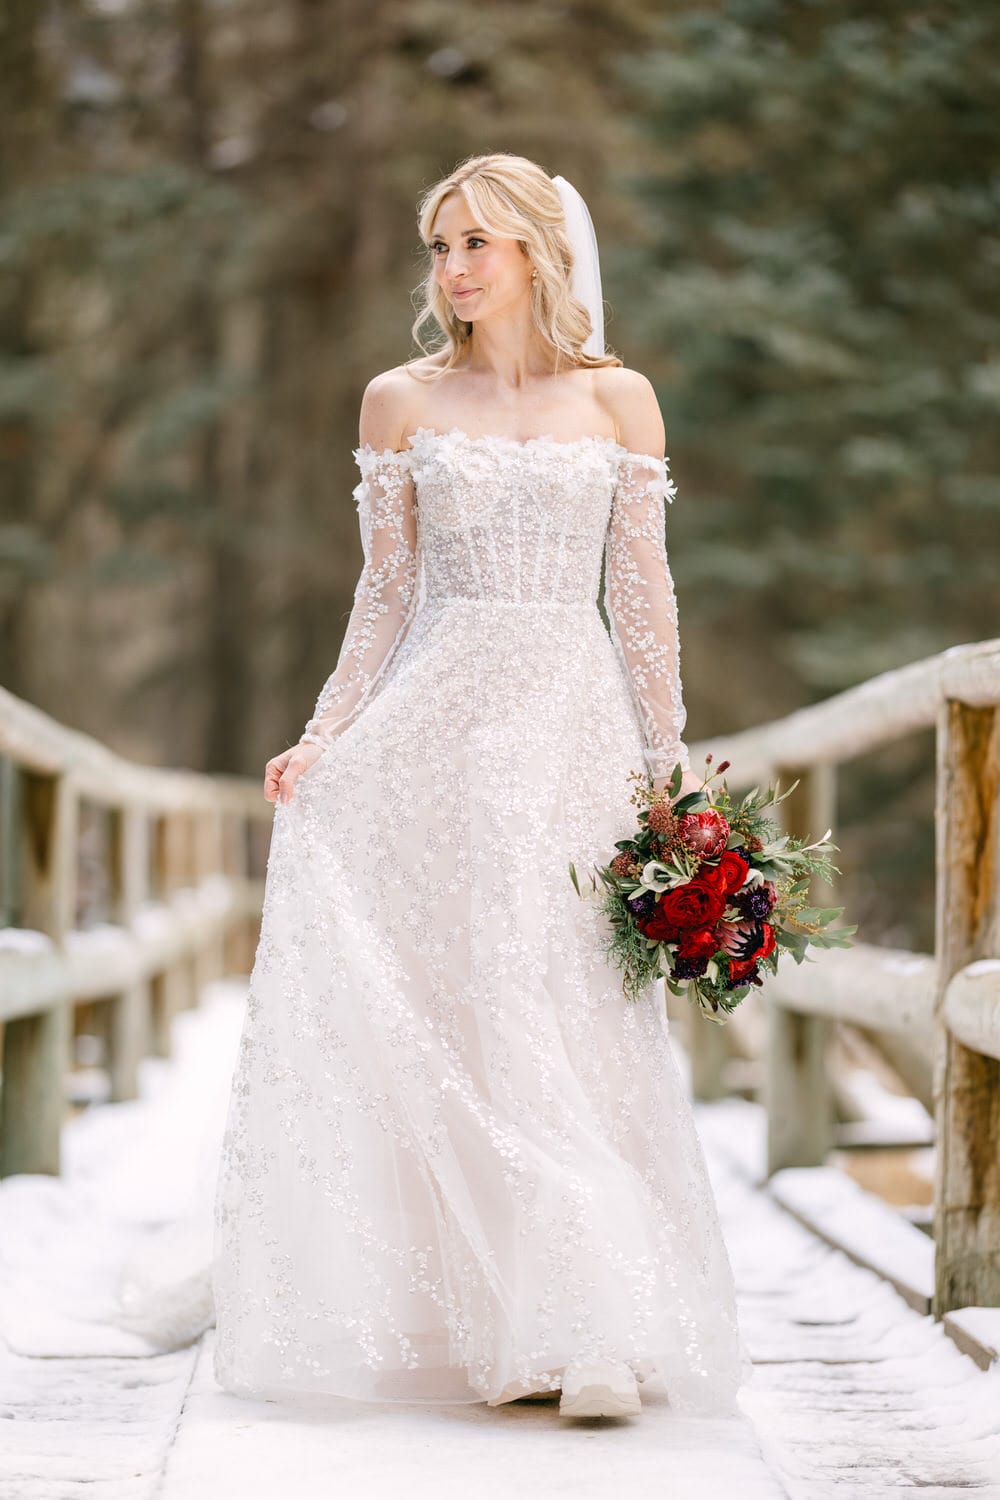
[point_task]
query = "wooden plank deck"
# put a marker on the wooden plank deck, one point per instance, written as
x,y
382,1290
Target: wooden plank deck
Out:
x,y
854,1393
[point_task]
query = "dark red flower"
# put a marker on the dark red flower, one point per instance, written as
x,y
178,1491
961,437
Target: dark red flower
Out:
x,y
700,942
693,904
729,873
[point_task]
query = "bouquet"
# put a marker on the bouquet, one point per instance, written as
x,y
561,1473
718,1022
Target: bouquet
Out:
x,y
709,891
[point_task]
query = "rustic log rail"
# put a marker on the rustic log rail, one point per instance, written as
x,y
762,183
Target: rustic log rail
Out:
x,y
945,1004
184,906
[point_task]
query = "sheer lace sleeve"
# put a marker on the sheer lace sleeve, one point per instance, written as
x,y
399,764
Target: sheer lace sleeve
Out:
x,y
385,596
642,608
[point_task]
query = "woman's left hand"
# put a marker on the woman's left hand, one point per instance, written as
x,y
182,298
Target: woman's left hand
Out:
x,y
690,782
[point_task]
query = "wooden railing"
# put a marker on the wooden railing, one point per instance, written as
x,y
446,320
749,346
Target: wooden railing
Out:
x,y
943,1008
182,908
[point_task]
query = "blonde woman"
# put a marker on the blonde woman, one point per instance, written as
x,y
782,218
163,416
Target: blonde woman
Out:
x,y
459,1165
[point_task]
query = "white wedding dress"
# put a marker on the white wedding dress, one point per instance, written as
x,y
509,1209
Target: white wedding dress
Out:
x,y
456,1156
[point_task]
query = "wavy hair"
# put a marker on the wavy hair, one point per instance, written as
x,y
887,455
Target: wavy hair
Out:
x,y
513,197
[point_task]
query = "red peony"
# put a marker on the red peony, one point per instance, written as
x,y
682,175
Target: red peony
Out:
x,y
693,904
704,833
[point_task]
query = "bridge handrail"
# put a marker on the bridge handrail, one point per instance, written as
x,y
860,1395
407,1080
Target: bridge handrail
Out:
x,y
185,907
944,1006
196,827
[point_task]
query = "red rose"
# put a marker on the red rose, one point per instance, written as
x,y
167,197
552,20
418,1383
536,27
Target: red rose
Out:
x,y
740,968
655,926
693,904
701,942
704,833
711,875
731,870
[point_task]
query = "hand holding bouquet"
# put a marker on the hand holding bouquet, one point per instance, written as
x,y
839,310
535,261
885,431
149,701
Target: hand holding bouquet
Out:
x,y
709,891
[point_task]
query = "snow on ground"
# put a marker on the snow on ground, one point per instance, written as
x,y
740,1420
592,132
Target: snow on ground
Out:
x,y
854,1394
133,1173
315,1448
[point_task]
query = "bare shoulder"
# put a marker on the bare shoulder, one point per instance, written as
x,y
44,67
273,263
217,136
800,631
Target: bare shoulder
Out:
x,y
386,409
629,398
394,401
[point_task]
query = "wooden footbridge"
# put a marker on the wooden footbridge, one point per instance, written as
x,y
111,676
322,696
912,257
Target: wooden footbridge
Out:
x,y
131,898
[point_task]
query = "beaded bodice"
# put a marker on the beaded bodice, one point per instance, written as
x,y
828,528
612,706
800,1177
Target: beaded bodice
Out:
x,y
506,521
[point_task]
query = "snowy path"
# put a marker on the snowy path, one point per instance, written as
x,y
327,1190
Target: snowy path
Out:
x,y
854,1395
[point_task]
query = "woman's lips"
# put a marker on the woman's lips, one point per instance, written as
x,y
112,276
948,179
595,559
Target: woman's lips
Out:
x,y
469,292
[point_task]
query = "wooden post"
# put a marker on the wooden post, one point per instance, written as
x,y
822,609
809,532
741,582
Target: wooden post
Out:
x,y
966,1083
709,1050
210,961
130,1020
240,866
10,849
161,1015
235,866
36,1048
798,1093
175,992
187,837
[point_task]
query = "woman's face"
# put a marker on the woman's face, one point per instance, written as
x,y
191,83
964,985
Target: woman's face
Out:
x,y
479,273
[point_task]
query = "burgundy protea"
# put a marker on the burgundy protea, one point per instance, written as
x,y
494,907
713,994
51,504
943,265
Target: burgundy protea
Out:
x,y
704,833
746,943
739,939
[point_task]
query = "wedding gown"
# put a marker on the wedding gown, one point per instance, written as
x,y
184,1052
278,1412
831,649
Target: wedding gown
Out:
x,y
456,1157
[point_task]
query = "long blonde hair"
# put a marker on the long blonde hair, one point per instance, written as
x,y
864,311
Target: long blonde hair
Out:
x,y
513,197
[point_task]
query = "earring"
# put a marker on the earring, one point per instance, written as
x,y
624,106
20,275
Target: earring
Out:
x,y
534,275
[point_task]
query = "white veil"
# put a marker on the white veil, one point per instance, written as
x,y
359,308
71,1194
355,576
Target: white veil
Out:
x,y
586,280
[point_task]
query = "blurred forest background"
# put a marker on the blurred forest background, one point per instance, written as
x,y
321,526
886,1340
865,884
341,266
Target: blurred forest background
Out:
x,y
208,246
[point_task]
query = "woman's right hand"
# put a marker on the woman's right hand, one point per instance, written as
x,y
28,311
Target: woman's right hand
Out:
x,y
281,773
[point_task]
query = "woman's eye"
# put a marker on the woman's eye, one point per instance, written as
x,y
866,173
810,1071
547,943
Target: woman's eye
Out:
x,y
439,245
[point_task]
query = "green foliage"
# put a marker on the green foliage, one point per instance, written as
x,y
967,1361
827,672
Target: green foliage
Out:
x,y
820,216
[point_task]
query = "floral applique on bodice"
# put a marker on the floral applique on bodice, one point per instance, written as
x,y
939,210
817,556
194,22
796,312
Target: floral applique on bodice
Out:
x,y
509,520
505,521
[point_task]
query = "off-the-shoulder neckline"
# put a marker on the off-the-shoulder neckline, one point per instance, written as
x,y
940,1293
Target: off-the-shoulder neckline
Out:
x,y
509,442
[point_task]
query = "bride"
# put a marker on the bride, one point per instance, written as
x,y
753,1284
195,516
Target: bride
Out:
x,y
458,1165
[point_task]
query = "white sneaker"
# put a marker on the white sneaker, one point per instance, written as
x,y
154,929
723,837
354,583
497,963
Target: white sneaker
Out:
x,y
516,1392
599,1388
